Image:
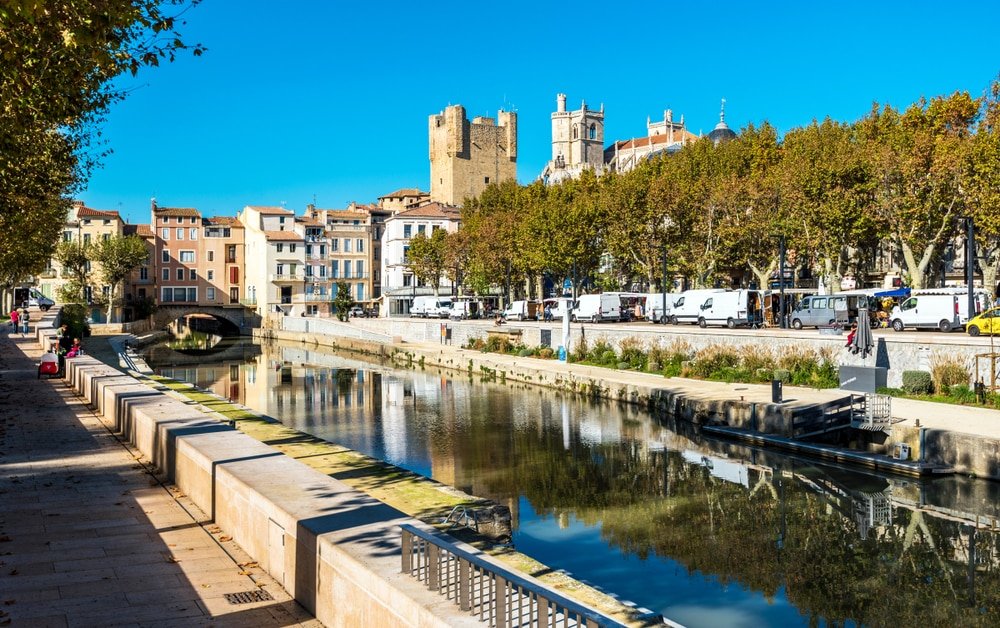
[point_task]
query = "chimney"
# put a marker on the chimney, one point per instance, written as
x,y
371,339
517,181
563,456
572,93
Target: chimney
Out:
x,y
152,203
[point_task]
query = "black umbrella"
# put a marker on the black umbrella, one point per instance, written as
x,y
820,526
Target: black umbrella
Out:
x,y
863,342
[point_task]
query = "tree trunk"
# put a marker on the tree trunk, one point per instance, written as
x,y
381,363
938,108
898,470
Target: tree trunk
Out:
x,y
917,270
763,274
989,263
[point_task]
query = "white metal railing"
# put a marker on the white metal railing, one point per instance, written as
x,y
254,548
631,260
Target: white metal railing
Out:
x,y
297,276
486,590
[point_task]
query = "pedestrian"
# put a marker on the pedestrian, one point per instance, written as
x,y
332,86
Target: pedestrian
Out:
x,y
24,318
14,315
851,334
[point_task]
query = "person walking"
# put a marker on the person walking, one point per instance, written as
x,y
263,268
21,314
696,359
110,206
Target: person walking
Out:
x,y
24,318
13,320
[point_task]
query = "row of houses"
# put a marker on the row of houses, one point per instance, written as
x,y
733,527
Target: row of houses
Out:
x,y
266,259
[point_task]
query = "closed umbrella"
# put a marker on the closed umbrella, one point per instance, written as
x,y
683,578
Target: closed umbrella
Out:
x,y
863,341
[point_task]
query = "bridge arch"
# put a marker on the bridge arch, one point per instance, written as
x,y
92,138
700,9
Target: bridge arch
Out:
x,y
241,318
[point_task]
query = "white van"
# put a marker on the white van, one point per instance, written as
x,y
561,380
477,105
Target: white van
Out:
x,y
655,312
463,309
556,307
522,310
944,309
687,307
732,308
431,307
598,307
31,297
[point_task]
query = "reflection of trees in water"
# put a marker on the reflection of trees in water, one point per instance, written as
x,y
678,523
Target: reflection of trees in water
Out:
x,y
836,564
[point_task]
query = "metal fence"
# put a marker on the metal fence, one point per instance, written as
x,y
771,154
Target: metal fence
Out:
x,y
487,591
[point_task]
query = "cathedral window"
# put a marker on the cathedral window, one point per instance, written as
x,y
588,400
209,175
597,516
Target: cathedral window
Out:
x,y
574,133
593,131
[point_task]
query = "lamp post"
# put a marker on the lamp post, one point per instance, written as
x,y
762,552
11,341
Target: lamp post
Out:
x,y
970,263
663,303
781,281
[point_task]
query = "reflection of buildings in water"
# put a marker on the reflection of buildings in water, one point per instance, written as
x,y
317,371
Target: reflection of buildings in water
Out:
x,y
225,379
397,400
735,471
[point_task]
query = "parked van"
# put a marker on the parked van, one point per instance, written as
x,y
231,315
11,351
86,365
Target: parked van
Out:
x,y
464,309
821,310
687,307
944,309
431,307
32,298
655,312
598,307
557,308
522,310
732,308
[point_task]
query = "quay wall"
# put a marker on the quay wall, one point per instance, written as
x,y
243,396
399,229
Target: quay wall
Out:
x,y
897,352
334,549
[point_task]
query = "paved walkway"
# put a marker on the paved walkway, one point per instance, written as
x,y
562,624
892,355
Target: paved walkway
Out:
x,y
88,538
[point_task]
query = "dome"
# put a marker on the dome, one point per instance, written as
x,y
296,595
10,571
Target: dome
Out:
x,y
722,132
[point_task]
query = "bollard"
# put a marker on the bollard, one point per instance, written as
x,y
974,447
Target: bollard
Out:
x,y
776,391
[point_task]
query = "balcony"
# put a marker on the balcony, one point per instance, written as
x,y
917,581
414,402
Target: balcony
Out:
x,y
286,277
317,298
249,302
351,277
48,273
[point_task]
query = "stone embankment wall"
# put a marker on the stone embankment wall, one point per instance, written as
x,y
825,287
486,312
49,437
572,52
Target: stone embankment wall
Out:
x,y
898,352
337,551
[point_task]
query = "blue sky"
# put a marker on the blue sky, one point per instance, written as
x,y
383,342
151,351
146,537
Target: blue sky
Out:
x,y
303,99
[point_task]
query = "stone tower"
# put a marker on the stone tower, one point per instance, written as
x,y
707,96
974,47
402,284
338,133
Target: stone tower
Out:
x,y
577,141
468,156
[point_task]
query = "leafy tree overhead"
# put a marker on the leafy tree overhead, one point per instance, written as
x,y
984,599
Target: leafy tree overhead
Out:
x,y
118,257
72,257
58,63
427,257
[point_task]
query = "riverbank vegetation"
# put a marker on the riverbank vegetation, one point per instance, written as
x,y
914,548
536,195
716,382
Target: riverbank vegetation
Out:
x,y
718,362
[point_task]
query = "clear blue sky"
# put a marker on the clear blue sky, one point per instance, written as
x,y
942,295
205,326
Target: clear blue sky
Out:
x,y
303,98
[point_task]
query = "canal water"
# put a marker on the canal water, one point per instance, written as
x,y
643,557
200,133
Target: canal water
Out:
x,y
705,532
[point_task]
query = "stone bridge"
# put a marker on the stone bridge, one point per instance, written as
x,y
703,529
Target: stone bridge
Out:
x,y
245,319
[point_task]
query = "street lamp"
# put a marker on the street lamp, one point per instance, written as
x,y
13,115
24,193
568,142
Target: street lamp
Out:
x,y
781,280
970,262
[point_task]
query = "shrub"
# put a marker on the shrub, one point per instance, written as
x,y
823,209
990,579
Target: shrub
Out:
x,y
917,382
755,358
525,353
714,358
763,374
599,350
782,375
546,353
632,351
608,357
580,350
961,393
74,316
948,371
623,366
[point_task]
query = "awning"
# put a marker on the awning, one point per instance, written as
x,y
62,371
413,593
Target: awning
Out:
x,y
895,293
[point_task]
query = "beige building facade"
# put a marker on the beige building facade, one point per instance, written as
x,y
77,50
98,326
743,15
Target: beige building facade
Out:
x,y
467,156
577,142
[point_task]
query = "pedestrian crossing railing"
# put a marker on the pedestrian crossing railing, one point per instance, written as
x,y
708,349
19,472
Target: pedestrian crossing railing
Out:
x,y
487,591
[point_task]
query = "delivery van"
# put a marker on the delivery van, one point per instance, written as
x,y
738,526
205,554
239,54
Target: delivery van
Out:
x,y
431,307
31,297
733,308
655,312
944,310
822,310
687,307
522,311
598,307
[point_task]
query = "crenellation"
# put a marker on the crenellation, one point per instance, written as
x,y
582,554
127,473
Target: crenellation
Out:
x,y
468,156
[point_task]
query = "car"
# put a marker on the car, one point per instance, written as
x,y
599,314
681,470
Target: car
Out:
x,y
357,311
986,323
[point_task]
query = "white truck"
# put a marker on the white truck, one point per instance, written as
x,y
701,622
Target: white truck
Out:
x,y
655,312
944,309
598,307
431,307
522,310
732,308
687,307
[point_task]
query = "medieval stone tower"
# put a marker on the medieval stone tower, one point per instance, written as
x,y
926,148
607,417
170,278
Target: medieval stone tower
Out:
x,y
577,142
466,157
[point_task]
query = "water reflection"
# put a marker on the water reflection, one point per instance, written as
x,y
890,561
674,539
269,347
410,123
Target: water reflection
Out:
x,y
707,533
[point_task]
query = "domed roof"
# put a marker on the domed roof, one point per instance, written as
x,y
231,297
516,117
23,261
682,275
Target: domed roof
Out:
x,y
722,132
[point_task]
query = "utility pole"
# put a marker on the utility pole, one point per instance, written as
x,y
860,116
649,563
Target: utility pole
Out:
x,y
663,305
781,281
970,263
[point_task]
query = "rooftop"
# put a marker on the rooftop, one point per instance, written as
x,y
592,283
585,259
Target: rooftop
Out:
x,y
86,212
226,221
404,192
271,211
283,236
177,211
431,210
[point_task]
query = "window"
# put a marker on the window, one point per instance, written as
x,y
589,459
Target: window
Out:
x,y
281,220
86,238
335,269
165,255
211,275
193,274
144,273
434,228
291,247
309,249
234,274
359,268
407,280
180,233
347,245
279,270
421,229
347,268
593,136
407,230
67,236
575,133
279,247
193,233
106,237
180,274
187,257
486,180
818,304
322,271
361,245
210,294
334,245
322,250
211,256
179,220
360,291
165,232
231,253
234,295
194,220
164,219
86,221
309,270
909,304
165,274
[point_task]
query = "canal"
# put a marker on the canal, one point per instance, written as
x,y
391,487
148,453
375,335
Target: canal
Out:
x,y
706,533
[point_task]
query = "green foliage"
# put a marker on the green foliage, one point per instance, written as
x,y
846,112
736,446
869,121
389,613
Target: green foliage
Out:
x,y
917,382
782,375
74,316
118,257
546,353
342,302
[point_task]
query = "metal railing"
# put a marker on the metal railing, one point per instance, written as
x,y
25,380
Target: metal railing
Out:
x,y
487,591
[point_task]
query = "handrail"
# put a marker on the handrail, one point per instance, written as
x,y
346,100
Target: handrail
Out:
x,y
476,585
